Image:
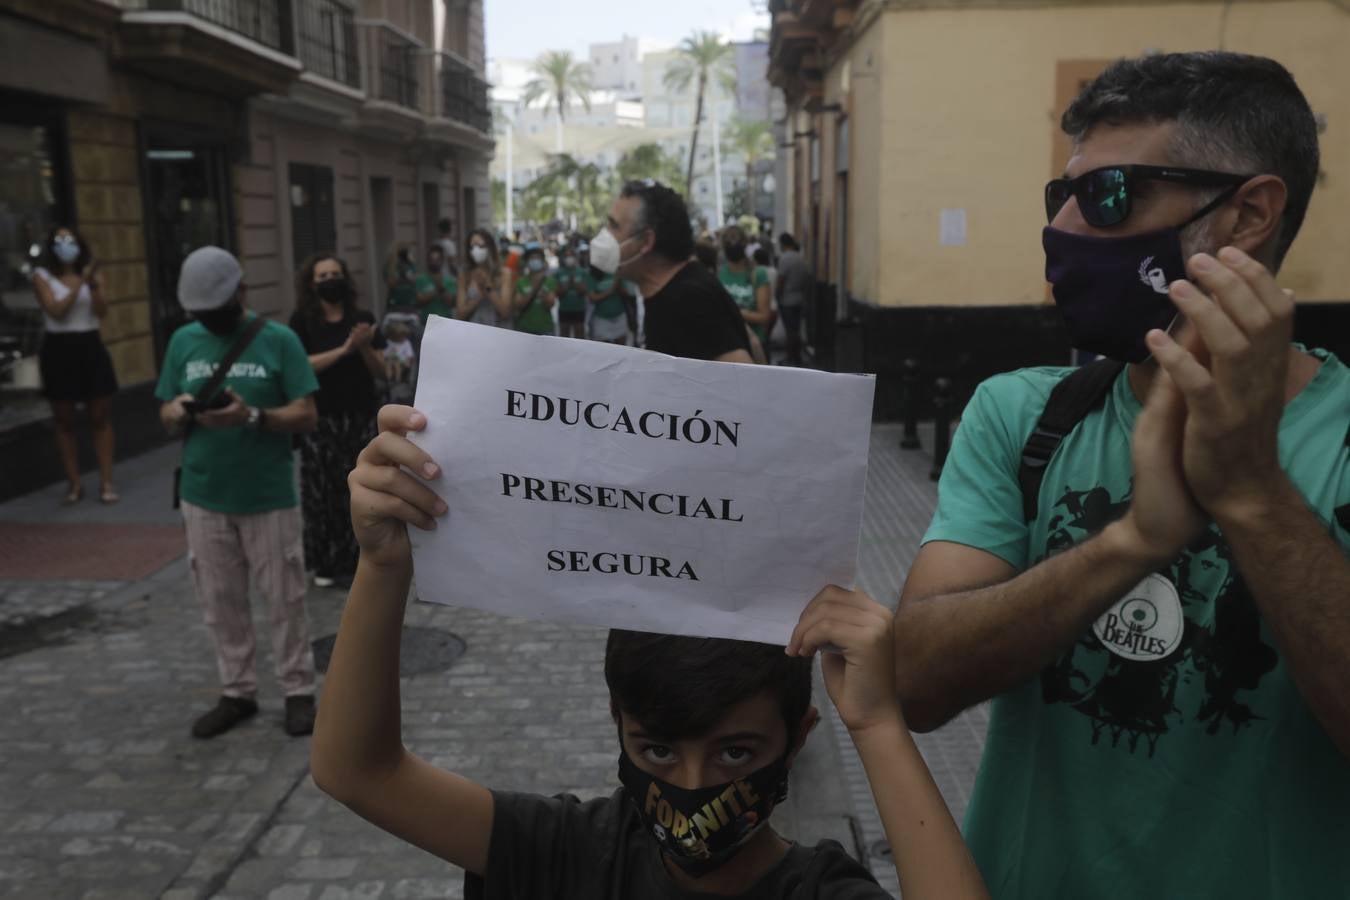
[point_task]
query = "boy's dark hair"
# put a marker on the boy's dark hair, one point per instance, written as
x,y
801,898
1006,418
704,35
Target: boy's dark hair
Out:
x,y
787,242
762,257
1234,112
680,687
443,226
663,211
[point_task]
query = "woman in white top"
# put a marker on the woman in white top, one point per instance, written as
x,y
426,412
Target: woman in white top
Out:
x,y
486,286
74,363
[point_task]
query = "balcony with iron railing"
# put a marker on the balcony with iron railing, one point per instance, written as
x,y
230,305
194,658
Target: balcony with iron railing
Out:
x,y
268,22
239,47
326,40
394,62
462,94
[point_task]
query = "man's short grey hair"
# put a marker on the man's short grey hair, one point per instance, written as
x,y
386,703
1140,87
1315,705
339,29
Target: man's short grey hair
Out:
x,y
1234,113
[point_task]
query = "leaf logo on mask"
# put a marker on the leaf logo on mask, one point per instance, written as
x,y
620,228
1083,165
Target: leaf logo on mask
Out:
x,y
1155,277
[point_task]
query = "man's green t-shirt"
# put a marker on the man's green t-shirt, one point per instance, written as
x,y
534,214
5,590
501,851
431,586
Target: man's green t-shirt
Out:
x,y
1168,752
238,470
442,304
742,284
573,284
612,306
535,318
404,292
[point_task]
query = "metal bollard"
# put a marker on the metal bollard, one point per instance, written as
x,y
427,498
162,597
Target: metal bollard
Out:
x,y
942,424
910,398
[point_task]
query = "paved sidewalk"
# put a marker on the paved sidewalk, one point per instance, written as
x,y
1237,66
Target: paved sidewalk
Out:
x,y
104,795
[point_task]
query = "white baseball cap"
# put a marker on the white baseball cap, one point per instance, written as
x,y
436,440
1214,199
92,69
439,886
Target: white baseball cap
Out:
x,y
209,279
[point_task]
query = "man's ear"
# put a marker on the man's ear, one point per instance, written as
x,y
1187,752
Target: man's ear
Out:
x,y
1260,204
804,728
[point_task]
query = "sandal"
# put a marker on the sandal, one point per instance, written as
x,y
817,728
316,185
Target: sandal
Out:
x,y
74,495
108,495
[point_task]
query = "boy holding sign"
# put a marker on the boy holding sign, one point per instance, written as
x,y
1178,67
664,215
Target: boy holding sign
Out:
x,y
708,730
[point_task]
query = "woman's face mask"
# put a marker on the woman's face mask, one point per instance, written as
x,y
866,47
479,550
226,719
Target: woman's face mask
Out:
x,y
536,265
478,253
66,248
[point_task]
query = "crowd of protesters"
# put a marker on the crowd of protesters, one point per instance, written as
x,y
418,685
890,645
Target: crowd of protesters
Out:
x,y
1201,480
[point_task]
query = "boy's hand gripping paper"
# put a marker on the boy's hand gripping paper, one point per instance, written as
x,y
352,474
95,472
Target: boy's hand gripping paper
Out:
x,y
609,486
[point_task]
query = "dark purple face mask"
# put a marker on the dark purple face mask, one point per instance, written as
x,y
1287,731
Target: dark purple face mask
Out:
x,y
1112,291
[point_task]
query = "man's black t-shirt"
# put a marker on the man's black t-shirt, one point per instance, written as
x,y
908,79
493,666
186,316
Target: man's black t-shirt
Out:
x,y
693,316
558,848
346,385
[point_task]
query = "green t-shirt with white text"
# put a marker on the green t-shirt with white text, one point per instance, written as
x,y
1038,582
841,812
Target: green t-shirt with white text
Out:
x,y
1168,752
238,470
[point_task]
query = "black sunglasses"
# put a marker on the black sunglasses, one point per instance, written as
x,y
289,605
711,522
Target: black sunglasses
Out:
x,y
1105,194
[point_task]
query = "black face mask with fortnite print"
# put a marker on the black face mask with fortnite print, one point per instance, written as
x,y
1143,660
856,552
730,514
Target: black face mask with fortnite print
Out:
x,y
700,830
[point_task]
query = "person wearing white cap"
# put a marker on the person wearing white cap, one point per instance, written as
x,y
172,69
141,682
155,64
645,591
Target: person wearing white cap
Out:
x,y
238,485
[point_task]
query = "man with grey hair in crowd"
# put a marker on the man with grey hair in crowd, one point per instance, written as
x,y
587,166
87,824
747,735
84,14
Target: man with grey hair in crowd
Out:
x,y
236,387
647,239
1143,563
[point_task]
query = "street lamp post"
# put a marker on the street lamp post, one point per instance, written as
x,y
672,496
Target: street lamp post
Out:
x,y
717,168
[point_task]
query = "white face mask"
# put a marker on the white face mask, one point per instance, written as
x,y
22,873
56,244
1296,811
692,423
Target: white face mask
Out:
x,y
66,250
479,254
605,252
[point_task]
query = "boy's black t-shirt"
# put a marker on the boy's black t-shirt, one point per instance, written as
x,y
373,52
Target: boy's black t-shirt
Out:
x,y
346,385
559,848
693,316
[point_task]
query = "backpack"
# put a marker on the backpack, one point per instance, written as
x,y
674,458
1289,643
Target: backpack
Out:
x,y
1077,394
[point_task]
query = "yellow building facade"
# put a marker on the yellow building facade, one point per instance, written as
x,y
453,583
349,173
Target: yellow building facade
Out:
x,y
920,134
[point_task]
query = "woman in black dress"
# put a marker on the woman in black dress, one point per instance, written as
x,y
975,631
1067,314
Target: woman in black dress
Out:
x,y
74,363
344,348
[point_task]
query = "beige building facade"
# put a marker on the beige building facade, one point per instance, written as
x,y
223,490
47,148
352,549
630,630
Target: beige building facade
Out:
x,y
922,133
274,128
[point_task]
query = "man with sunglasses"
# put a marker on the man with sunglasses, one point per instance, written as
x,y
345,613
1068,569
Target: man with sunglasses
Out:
x,y
1161,615
648,240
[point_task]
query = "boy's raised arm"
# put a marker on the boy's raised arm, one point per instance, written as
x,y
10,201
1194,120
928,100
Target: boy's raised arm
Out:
x,y
358,755
854,630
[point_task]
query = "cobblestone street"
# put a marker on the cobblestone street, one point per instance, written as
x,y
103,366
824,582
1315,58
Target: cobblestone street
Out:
x,y
104,795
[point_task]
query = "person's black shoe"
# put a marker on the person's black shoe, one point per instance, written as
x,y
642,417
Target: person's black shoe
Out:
x,y
300,715
228,712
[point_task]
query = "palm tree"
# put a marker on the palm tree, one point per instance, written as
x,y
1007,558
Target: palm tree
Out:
x,y
701,56
651,161
753,140
561,79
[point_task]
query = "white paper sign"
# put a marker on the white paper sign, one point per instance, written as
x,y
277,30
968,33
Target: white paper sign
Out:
x,y
952,228
599,484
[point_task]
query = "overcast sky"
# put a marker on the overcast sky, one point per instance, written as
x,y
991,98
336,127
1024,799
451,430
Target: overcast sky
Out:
x,y
526,28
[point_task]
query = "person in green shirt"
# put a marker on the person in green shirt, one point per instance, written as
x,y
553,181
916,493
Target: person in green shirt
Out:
x,y
571,278
437,287
536,293
1163,623
238,490
747,283
400,278
609,316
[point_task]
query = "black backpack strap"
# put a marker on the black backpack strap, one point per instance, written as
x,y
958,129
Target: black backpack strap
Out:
x,y
1076,395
